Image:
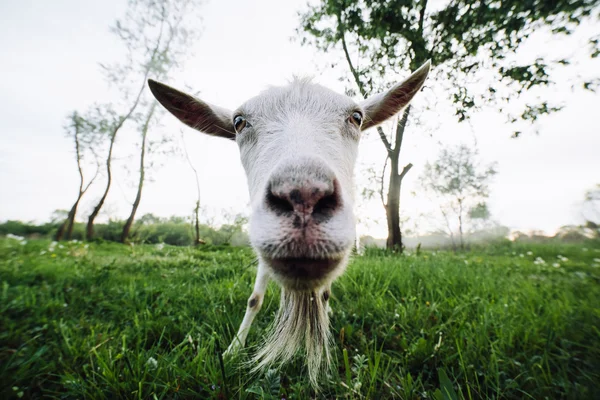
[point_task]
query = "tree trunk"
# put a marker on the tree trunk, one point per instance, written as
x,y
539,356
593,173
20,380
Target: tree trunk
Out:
x,y
138,196
89,232
394,240
71,219
197,240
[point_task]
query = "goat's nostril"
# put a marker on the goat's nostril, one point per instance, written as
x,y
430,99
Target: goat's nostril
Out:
x,y
326,205
278,204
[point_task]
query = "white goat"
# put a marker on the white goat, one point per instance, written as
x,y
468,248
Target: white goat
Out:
x,y
298,145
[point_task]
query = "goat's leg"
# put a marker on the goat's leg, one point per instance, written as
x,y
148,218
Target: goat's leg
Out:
x,y
254,304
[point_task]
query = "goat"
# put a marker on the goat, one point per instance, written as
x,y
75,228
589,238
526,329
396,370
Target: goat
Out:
x,y
298,145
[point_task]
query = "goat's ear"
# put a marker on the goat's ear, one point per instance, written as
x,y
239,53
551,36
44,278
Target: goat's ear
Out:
x,y
193,112
382,106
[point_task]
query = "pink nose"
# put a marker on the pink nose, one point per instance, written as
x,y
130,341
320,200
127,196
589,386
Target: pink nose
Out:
x,y
312,196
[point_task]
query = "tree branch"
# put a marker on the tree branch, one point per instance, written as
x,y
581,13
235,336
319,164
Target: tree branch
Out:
x,y
358,82
405,170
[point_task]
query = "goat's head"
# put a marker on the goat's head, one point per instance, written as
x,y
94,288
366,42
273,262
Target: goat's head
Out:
x,y
298,146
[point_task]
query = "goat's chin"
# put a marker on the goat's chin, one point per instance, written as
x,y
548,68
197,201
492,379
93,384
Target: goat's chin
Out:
x,y
302,274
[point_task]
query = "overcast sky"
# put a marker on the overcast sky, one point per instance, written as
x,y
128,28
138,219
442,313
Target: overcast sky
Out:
x,y
49,67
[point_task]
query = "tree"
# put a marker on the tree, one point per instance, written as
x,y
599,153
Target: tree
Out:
x,y
138,197
465,41
197,239
81,131
156,34
461,183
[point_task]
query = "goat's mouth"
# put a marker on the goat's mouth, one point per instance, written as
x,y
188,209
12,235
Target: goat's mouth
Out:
x,y
304,268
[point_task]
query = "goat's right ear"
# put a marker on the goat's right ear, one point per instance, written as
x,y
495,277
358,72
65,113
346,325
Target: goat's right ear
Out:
x,y
383,106
194,113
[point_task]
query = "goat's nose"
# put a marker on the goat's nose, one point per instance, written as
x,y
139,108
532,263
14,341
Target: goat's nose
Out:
x,y
317,199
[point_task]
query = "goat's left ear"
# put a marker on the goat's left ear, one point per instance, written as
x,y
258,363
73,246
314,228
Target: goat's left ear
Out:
x,y
193,112
382,106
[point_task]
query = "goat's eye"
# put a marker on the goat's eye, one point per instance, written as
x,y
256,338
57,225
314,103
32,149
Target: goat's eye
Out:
x,y
239,123
356,118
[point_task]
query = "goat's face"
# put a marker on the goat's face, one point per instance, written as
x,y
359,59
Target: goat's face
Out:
x,y
298,145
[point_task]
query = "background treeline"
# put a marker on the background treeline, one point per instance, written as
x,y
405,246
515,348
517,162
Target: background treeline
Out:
x,y
180,231
177,231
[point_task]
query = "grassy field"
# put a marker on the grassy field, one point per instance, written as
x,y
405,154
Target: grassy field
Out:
x,y
104,321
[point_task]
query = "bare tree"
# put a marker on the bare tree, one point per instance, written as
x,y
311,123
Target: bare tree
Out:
x,y
156,34
138,196
197,239
175,25
460,182
80,130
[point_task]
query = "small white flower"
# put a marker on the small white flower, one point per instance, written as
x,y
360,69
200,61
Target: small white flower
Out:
x,y
562,258
65,305
556,265
152,363
42,252
597,260
539,261
60,246
466,262
439,343
505,305
86,246
521,255
15,237
529,253
585,249
160,246
396,315
23,242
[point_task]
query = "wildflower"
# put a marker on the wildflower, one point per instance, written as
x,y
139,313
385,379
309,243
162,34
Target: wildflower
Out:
x,y
15,237
521,255
585,249
152,363
529,253
160,246
556,265
466,262
539,261
396,315
53,255
439,343
427,303
42,252
561,258
597,260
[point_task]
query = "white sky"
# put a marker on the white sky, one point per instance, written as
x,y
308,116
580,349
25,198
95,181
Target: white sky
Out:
x,y
49,68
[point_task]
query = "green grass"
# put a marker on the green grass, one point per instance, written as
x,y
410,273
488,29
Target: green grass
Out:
x,y
110,321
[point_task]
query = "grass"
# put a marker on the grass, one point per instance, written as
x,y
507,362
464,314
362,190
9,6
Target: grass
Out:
x,y
104,321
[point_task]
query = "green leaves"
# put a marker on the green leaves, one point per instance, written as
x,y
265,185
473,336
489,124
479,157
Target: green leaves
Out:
x,y
463,39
